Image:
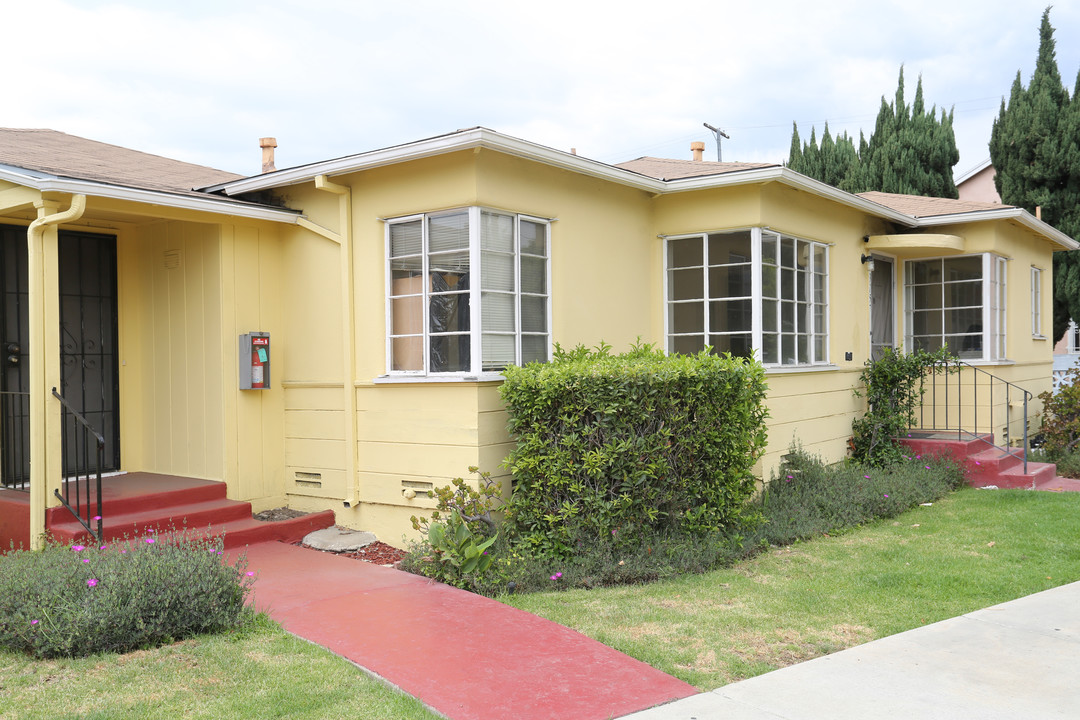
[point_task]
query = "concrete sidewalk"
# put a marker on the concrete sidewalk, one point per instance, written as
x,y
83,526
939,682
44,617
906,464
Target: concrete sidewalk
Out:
x,y
1020,659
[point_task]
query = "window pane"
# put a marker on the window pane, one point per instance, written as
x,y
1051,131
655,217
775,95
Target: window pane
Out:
x,y
731,315
819,258
534,275
497,312
966,346
768,315
406,316
802,284
769,282
819,349
448,270
406,238
448,232
966,267
498,351
787,349
449,313
768,249
406,282
737,345
730,281
686,285
687,317
963,294
533,239
496,232
729,248
787,316
787,252
926,297
930,344
407,353
534,348
926,271
968,320
770,349
687,344
497,270
533,314
926,323
787,284
449,353
802,255
803,342
686,252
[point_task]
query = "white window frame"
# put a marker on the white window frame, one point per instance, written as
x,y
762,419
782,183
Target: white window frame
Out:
x,y
994,310
1036,302
475,290
757,332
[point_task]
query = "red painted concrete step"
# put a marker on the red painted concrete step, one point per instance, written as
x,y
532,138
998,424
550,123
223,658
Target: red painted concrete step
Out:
x,y
988,464
466,656
136,502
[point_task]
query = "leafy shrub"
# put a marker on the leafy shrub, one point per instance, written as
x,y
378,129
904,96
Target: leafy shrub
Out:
x,y
1061,416
892,386
805,497
621,446
459,533
74,601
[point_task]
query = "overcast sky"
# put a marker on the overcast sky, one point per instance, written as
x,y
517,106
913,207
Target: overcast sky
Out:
x,y
202,80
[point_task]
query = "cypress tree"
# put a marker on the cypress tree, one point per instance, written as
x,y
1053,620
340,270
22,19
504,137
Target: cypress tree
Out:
x,y
1034,151
910,151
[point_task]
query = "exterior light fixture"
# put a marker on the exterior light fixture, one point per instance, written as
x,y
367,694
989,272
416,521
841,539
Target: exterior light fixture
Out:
x,y
868,261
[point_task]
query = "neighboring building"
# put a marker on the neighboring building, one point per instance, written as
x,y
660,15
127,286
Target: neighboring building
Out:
x,y
396,284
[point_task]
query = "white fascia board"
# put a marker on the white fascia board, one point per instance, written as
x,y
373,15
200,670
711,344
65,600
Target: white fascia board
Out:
x,y
466,140
1019,214
792,179
972,172
222,206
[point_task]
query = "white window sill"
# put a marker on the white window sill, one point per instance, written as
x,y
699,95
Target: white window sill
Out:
x,y
788,369
1039,337
405,379
979,363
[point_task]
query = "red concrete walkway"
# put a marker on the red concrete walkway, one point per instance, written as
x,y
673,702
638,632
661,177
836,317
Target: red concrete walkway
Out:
x,y
466,656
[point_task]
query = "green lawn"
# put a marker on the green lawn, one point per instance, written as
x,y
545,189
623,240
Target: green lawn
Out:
x,y
972,549
260,673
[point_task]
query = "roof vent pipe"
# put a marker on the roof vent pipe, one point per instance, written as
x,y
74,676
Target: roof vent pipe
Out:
x,y
697,148
268,144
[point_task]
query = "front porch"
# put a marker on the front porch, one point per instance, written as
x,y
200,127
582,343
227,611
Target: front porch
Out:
x,y
133,503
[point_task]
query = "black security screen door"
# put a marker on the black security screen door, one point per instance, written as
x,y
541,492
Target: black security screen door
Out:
x,y
88,343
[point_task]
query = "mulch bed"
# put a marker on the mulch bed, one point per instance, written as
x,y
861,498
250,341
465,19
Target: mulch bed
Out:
x,y
377,553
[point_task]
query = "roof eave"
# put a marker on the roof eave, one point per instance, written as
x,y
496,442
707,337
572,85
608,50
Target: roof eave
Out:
x,y
51,183
1014,213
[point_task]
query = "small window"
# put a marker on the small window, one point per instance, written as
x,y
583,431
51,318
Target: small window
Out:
x,y
1036,302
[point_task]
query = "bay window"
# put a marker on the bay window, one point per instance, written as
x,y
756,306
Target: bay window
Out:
x,y
748,290
467,292
958,302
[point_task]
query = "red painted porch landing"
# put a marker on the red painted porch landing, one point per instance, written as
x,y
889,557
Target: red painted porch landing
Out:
x,y
134,502
466,656
991,465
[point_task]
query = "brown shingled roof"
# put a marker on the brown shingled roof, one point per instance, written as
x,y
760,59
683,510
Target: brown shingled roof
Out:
x,y
918,206
69,156
667,169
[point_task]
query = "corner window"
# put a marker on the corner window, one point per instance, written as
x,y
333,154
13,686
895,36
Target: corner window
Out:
x,y
467,292
958,302
745,291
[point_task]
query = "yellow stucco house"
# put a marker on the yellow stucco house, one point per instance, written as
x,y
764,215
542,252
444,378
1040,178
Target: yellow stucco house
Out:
x,y
394,285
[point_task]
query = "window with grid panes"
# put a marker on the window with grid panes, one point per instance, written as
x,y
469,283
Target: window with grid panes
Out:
x,y
748,290
468,292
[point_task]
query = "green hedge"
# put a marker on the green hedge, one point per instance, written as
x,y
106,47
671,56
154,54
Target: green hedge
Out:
x,y
614,445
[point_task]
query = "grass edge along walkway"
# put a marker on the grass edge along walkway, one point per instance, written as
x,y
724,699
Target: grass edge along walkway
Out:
x,y
969,550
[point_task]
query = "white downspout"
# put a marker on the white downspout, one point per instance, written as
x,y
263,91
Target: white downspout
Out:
x,y
38,300
348,329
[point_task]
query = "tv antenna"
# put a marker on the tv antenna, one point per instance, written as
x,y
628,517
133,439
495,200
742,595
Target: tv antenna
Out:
x,y
719,134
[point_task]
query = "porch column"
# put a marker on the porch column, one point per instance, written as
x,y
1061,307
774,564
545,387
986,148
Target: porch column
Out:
x,y
43,354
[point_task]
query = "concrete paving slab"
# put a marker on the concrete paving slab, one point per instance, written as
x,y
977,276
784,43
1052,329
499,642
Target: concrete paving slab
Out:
x,y
336,539
1014,660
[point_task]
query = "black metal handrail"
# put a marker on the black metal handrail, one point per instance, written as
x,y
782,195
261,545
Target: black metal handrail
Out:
x,y
948,405
15,440
78,444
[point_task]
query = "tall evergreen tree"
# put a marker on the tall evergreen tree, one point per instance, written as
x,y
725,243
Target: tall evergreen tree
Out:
x,y
911,151
1034,151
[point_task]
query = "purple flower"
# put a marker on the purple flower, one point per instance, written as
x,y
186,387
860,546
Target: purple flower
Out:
x,y
97,517
149,540
927,467
86,560
78,548
866,476
886,494
34,622
558,574
91,582
250,573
